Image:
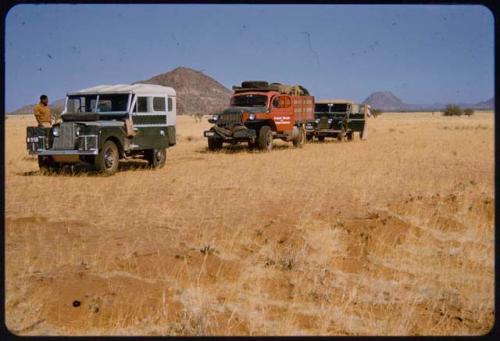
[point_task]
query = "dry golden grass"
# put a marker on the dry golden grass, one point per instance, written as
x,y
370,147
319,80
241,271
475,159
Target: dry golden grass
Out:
x,y
389,236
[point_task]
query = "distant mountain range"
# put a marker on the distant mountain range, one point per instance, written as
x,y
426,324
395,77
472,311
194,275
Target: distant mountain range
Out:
x,y
199,93
387,101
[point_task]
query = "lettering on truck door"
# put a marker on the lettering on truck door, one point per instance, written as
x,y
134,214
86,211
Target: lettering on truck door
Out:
x,y
281,108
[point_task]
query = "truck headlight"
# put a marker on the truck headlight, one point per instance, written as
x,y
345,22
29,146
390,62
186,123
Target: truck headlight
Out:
x,y
55,131
251,117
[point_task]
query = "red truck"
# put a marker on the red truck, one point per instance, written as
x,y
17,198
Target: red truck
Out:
x,y
260,112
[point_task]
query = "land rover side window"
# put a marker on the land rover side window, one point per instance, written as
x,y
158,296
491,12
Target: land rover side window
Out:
x,y
158,103
81,103
170,104
142,104
112,103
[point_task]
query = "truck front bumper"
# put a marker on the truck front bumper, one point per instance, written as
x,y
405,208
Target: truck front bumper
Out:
x,y
227,135
63,152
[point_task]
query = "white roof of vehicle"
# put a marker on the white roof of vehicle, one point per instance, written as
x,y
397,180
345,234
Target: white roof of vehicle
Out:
x,y
140,89
338,100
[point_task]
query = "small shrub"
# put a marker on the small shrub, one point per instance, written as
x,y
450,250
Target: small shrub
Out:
x,y
452,110
468,112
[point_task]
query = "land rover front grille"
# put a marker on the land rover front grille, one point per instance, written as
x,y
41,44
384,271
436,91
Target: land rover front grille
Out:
x,y
323,123
230,118
66,138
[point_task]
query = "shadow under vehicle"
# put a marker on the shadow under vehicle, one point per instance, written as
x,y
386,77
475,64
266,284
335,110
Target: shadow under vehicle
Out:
x,y
106,123
337,118
260,112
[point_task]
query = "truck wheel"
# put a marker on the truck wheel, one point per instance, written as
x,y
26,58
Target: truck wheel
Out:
x,y
301,139
350,136
341,137
214,144
321,138
156,157
309,138
265,141
106,161
47,164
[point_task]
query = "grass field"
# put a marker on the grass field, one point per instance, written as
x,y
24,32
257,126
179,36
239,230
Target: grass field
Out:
x,y
389,236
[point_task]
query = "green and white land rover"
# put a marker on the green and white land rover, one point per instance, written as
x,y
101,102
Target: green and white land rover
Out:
x,y
106,123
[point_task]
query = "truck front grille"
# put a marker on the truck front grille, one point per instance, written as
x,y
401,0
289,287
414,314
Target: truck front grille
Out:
x,y
230,118
66,138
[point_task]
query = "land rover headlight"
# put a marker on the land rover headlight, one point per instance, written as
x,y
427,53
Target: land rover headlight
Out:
x,y
215,117
251,117
330,120
55,131
316,120
77,131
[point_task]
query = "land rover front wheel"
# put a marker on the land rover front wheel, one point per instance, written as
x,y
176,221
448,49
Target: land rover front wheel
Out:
x,y
156,157
321,138
47,164
106,161
265,140
214,144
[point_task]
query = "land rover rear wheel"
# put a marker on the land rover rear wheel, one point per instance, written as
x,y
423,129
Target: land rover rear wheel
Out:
x,y
265,140
47,164
214,144
106,161
156,157
301,138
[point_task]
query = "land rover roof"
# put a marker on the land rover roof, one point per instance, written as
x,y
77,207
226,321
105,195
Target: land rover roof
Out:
x,y
140,89
333,101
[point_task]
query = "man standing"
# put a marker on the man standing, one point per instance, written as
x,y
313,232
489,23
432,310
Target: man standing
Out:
x,y
42,113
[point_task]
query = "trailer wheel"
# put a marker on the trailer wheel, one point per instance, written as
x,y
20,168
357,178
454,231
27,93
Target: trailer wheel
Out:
x,y
321,138
214,144
265,140
156,157
47,164
301,139
106,162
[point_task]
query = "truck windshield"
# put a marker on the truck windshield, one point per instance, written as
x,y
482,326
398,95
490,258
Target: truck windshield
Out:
x,y
249,101
101,104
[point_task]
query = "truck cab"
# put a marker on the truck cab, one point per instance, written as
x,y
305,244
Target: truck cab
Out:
x,y
260,112
337,118
106,123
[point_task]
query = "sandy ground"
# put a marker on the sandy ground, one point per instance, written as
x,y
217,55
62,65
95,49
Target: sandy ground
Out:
x,y
389,236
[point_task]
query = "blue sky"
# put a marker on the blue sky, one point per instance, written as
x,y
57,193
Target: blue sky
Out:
x,y
423,54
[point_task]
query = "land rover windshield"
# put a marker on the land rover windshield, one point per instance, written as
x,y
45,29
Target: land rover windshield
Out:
x,y
249,100
331,107
113,103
